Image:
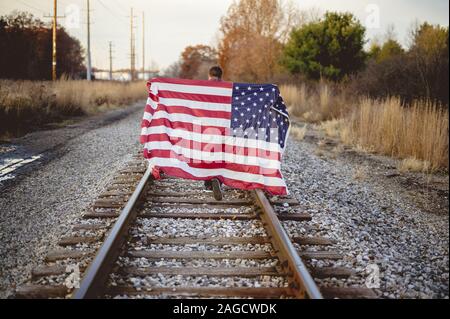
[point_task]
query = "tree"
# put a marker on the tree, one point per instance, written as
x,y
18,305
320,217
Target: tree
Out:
x,y
195,60
421,72
330,48
430,52
26,49
253,32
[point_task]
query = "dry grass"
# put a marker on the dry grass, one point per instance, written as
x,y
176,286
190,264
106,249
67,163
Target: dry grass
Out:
x,y
414,165
359,173
315,105
419,131
25,105
298,132
386,127
332,128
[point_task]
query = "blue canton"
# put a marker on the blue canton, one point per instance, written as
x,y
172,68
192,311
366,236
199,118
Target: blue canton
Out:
x,y
259,112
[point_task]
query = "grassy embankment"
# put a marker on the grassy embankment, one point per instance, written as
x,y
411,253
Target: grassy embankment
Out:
x,y
417,134
27,105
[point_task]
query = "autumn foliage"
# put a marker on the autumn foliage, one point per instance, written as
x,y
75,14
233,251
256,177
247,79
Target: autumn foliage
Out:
x,y
196,60
253,33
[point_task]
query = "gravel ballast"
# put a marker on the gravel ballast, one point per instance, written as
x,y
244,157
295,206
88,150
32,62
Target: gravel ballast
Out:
x,y
40,204
374,221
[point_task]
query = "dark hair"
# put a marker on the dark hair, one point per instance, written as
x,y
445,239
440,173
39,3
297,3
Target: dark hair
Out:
x,y
216,71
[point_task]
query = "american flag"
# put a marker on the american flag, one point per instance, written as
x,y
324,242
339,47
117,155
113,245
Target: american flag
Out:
x,y
235,132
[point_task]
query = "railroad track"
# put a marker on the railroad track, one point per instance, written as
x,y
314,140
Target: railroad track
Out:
x,y
169,238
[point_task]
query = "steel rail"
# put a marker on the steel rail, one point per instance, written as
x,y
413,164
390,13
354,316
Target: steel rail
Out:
x,y
94,281
305,285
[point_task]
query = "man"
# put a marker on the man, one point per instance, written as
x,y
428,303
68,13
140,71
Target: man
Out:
x,y
215,74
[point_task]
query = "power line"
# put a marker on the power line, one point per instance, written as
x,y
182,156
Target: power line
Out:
x,y
30,6
110,10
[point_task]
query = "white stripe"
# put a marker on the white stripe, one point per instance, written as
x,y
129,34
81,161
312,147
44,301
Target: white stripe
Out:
x,y
209,106
186,118
192,89
206,172
214,156
212,138
152,103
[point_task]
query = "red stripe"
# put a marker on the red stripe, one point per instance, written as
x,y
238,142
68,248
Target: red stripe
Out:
x,y
207,147
178,172
186,126
195,97
190,111
221,84
251,169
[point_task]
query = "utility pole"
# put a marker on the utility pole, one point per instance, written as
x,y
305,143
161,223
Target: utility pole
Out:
x,y
54,18
110,61
89,64
143,45
132,49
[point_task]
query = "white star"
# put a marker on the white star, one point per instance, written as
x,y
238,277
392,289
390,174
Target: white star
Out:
x,y
248,121
235,120
243,93
273,90
236,108
261,99
267,94
248,109
264,117
249,88
254,104
236,98
260,111
258,123
261,89
255,94
242,114
271,101
237,87
254,115
242,103
249,99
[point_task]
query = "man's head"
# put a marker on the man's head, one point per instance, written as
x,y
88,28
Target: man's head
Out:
x,y
215,73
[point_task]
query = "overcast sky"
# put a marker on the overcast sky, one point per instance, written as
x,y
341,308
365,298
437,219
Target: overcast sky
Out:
x,y
171,25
